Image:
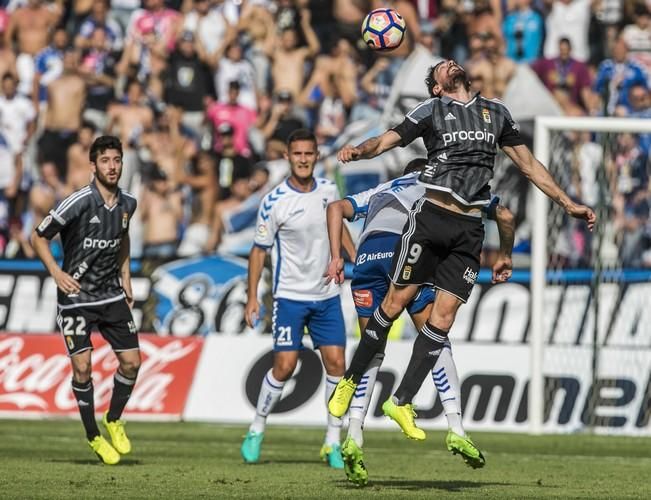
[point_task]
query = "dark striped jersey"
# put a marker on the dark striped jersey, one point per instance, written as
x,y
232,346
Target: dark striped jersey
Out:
x,y
91,233
461,141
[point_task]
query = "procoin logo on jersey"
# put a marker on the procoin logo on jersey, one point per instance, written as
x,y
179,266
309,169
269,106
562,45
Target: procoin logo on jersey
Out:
x,y
468,135
101,244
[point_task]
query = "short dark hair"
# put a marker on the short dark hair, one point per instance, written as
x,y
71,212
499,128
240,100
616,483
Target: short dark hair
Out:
x,y
301,134
415,165
89,125
430,80
102,144
565,40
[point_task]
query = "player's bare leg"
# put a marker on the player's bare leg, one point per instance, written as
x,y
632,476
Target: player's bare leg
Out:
x,y
333,358
372,342
124,381
82,387
270,392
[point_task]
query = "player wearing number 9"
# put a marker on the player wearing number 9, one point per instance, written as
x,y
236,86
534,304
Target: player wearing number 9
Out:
x,y
385,210
94,289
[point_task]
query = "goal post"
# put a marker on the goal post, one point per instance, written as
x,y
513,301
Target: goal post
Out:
x,y
540,234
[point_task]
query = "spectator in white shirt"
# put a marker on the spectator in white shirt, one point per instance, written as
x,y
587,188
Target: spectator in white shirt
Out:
x,y
568,19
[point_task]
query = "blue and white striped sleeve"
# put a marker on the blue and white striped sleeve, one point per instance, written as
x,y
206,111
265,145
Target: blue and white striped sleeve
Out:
x,y
266,226
361,200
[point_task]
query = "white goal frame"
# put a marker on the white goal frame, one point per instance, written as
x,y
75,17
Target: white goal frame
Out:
x,y
542,134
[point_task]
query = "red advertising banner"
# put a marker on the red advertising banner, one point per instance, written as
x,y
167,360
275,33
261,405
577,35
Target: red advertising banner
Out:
x,y
35,375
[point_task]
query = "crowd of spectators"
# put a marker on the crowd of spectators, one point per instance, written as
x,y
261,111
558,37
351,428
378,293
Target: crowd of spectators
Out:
x,y
204,93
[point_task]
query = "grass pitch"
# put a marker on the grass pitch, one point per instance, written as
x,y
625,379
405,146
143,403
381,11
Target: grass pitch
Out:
x,y
50,459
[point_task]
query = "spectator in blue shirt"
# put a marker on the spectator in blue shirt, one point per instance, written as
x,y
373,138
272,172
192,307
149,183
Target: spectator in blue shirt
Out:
x,y
523,30
616,76
99,18
48,66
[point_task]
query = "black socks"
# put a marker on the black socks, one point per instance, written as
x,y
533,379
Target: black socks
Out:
x,y
424,355
84,395
122,388
373,341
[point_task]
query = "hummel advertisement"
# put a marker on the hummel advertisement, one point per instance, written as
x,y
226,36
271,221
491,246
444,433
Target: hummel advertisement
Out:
x,y
494,386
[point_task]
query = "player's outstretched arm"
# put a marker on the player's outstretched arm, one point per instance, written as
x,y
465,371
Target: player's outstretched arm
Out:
x,y
335,216
370,148
540,176
66,283
503,266
256,265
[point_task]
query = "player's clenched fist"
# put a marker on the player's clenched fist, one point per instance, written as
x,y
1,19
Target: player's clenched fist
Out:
x,y
502,269
582,212
348,153
335,271
252,313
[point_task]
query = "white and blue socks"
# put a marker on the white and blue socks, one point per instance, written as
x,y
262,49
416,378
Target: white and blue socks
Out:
x,y
270,393
333,433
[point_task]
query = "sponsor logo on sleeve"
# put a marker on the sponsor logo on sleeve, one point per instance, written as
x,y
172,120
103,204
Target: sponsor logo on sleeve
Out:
x,y
45,223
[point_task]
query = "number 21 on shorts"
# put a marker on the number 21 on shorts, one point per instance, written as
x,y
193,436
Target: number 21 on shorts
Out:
x,y
284,336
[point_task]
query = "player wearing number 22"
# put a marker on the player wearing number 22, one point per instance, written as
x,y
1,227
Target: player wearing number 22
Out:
x,y
442,240
94,289
292,224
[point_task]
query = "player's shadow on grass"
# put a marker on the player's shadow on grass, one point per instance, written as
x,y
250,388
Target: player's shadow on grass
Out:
x,y
287,461
89,461
415,484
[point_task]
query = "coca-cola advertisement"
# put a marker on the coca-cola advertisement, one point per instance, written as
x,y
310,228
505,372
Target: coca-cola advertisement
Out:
x,y
35,375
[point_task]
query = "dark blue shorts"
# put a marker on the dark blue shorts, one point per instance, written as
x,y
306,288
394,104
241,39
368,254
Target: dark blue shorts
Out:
x,y
324,320
371,276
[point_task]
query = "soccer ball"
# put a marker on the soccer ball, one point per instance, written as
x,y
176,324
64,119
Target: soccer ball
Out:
x,y
383,29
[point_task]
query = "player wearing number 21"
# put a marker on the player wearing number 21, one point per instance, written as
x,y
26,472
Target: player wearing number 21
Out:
x,y
292,225
94,289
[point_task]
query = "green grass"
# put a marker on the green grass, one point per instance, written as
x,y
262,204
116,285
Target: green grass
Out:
x,y
50,459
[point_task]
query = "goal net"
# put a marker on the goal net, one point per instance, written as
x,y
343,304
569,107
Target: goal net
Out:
x,y
590,331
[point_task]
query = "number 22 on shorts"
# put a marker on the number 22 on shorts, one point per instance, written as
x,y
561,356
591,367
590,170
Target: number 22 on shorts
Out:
x,y
69,329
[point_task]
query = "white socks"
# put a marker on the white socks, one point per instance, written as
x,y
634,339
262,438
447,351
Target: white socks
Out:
x,y
446,381
269,395
362,399
333,434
